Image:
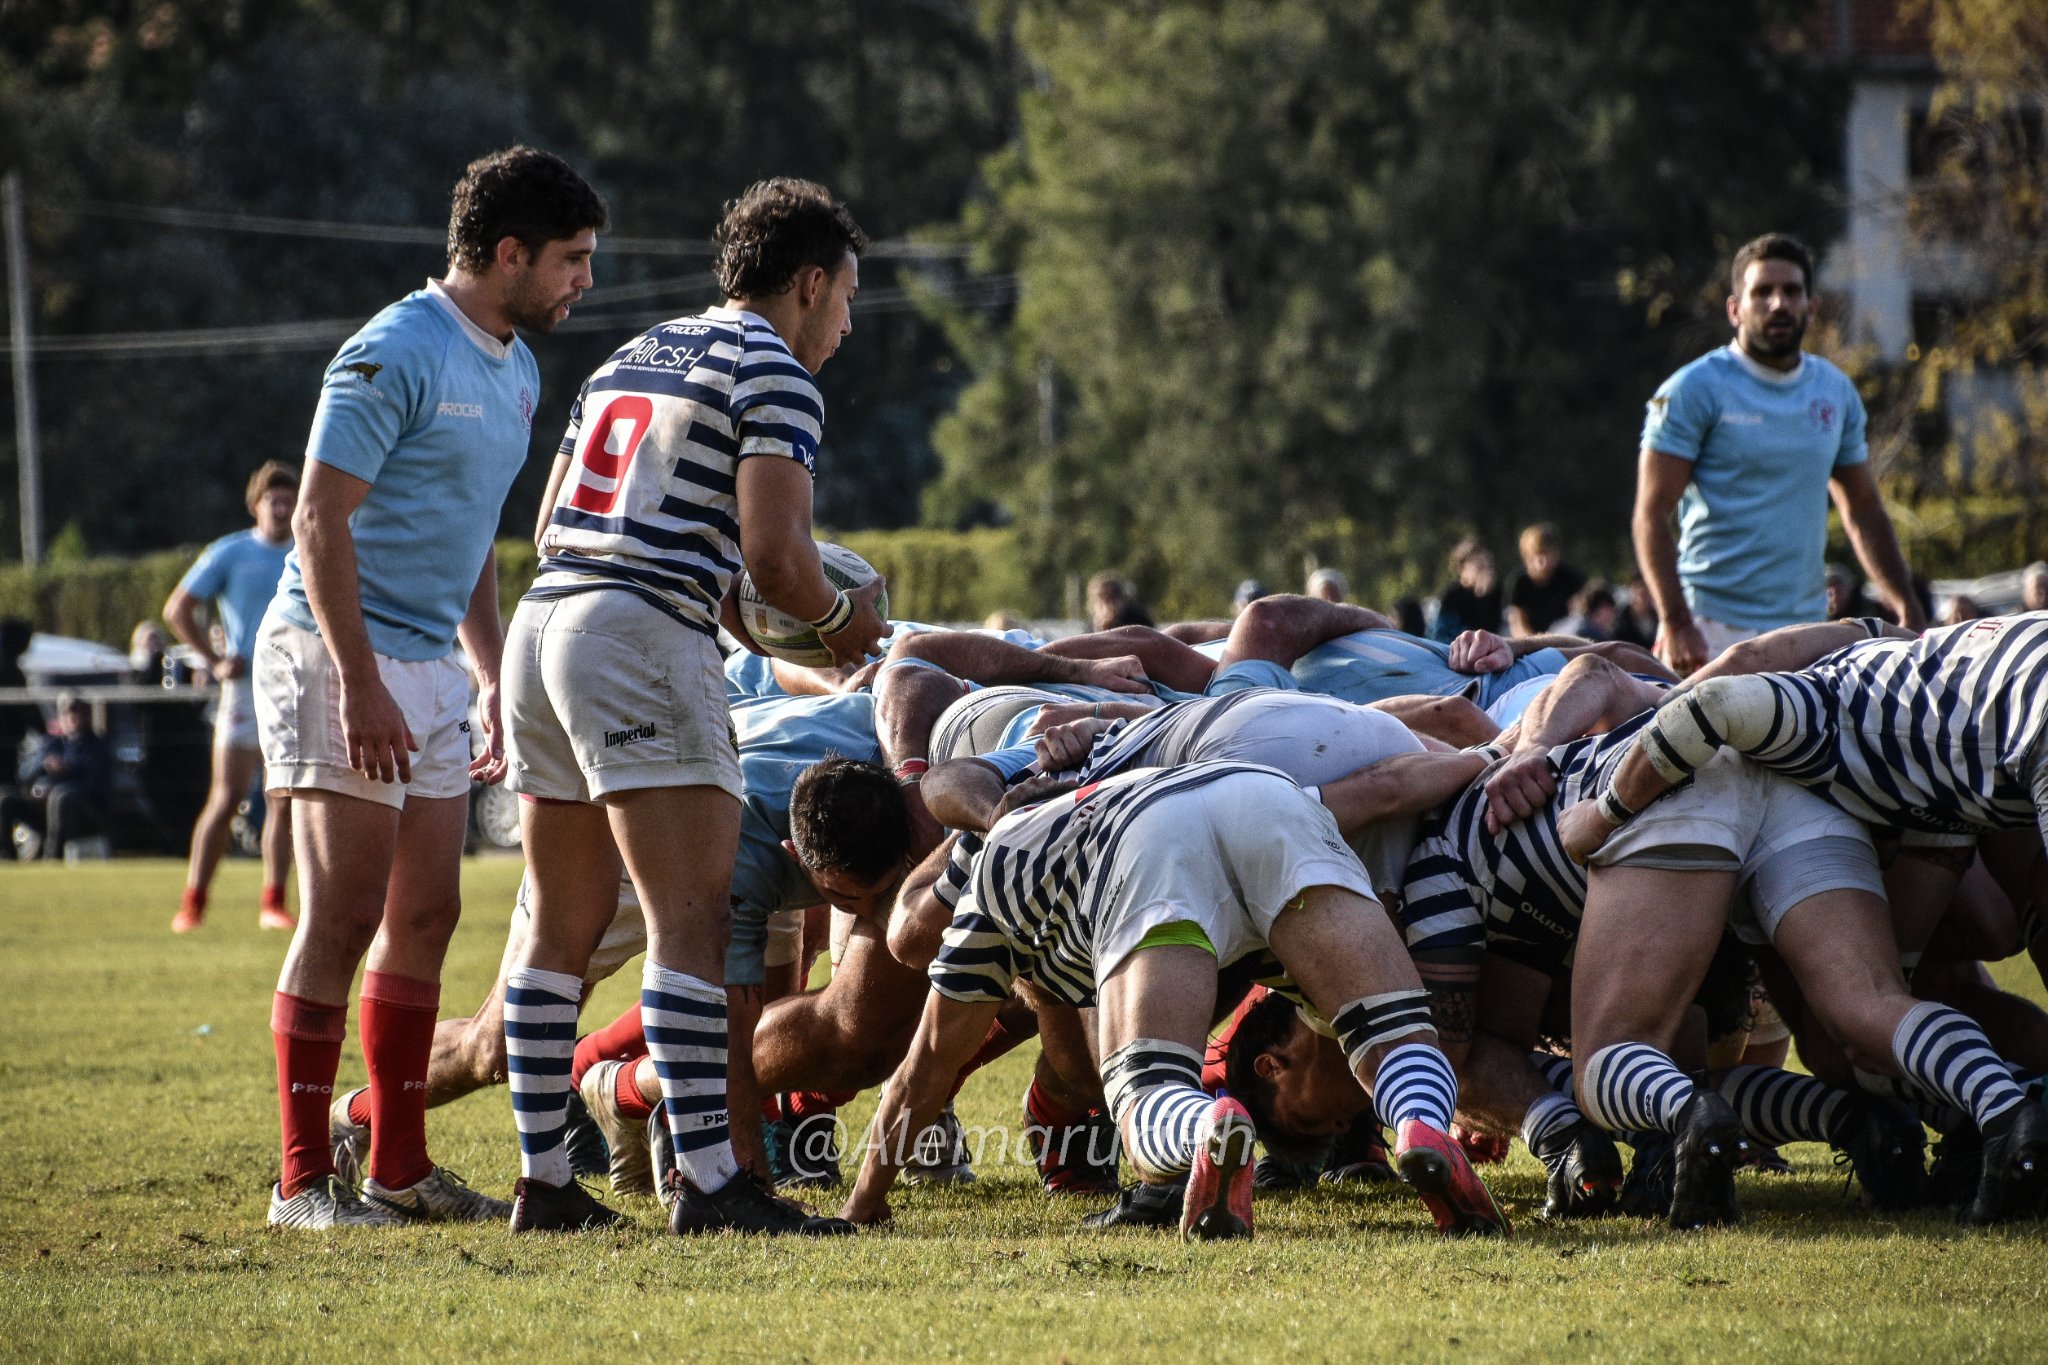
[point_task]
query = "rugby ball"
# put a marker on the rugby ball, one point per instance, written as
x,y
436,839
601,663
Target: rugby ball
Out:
x,y
789,639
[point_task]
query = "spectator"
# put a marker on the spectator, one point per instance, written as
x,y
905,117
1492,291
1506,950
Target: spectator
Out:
x,y
1593,614
1963,608
18,720
1544,590
237,576
64,785
2034,587
1329,585
1472,600
1113,602
1841,586
1248,592
1636,623
147,645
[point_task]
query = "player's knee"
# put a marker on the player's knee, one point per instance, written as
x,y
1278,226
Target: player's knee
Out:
x,y
1741,712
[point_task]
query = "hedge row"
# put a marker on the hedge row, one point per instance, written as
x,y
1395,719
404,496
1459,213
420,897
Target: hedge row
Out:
x,y
933,575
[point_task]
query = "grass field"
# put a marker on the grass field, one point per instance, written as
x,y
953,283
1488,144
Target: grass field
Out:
x,y
140,1131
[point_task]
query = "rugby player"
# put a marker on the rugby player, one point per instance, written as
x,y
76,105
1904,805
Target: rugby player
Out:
x,y
238,575
1943,735
692,446
362,708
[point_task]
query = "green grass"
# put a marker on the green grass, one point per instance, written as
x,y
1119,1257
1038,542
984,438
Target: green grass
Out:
x,y
139,1133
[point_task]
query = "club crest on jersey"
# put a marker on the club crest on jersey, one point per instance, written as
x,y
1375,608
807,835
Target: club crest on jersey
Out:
x,y
1823,414
526,408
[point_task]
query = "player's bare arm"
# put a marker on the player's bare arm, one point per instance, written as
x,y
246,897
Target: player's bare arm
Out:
x,y
181,614
1877,546
917,923
992,662
1660,481
373,728
1398,787
782,558
947,1036
1590,696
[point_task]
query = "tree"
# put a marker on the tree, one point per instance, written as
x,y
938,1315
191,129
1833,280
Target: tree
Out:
x,y
1341,278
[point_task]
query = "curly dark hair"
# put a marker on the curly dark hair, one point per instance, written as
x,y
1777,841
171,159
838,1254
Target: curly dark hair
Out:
x,y
848,816
520,192
777,228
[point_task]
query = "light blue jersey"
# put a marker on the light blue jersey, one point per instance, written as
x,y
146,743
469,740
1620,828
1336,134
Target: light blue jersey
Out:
x,y
1752,524
778,740
1372,665
238,573
433,413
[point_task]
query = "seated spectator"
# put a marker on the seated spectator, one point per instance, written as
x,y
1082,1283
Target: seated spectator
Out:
x,y
64,786
1328,585
1963,608
1593,614
1113,602
2034,587
1472,599
1636,622
1542,593
1248,592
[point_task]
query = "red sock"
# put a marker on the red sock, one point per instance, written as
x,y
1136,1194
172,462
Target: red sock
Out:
x,y
632,1103
308,1040
802,1104
194,900
398,1041
273,896
1046,1112
359,1107
618,1041
998,1040
1218,1053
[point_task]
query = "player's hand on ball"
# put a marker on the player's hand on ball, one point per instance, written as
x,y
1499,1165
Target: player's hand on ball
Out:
x,y
1481,651
1523,786
863,635
379,742
1582,830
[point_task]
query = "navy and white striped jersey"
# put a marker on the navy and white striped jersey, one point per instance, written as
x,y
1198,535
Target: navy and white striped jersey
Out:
x,y
656,437
1463,877
1027,895
1944,734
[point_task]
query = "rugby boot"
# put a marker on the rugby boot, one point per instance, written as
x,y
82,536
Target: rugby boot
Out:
x,y
351,1140
1883,1142
745,1204
1073,1157
812,1152
540,1207
661,1159
1957,1168
588,1154
625,1141
1218,1201
2015,1173
1142,1206
326,1204
1457,1199
442,1197
1272,1172
1359,1157
1646,1193
940,1155
1765,1161
1585,1177
1709,1146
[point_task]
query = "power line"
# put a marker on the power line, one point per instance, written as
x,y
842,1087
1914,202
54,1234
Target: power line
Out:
x,y
328,229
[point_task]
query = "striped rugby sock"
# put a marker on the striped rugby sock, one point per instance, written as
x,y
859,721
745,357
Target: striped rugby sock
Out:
x,y
1549,1118
1949,1055
1415,1082
1633,1086
1777,1107
684,1020
540,1046
1154,1090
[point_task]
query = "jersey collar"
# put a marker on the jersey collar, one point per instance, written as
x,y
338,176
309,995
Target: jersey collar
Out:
x,y
1765,372
478,337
